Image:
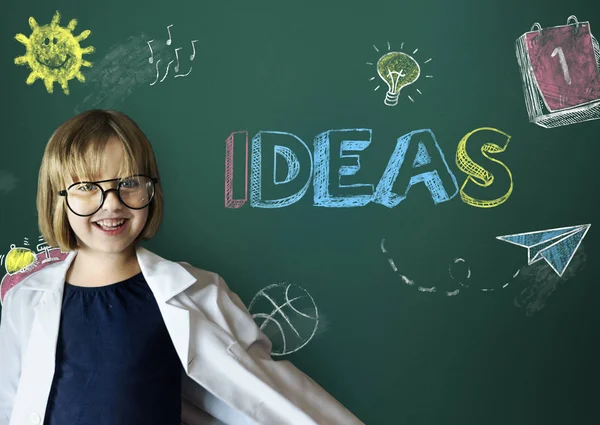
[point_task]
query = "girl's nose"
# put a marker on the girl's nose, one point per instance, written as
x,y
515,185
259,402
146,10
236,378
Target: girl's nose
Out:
x,y
111,200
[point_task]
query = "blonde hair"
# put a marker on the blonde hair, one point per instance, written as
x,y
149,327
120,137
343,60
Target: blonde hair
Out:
x,y
76,148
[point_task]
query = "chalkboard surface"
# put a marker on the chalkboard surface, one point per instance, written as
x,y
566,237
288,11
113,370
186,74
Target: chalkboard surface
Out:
x,y
372,161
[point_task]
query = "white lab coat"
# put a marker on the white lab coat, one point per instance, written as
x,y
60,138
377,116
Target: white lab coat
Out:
x,y
227,372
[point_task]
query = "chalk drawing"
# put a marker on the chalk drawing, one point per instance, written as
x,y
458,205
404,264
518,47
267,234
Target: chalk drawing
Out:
x,y
193,55
404,279
157,73
461,281
435,175
20,262
555,246
346,144
230,202
560,71
166,72
478,175
53,53
151,58
459,273
287,314
184,75
397,70
296,147
563,64
169,31
177,67
417,158
536,280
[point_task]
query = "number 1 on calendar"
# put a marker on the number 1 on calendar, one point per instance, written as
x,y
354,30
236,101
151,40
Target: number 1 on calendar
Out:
x,y
563,63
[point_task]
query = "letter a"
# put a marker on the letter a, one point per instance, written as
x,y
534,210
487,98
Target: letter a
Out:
x,y
429,166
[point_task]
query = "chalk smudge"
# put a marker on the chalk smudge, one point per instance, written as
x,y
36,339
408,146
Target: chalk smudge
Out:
x,y
543,281
122,70
8,182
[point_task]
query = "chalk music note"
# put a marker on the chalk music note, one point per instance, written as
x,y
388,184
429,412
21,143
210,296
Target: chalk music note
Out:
x,y
151,58
193,55
166,73
169,31
177,56
157,73
184,75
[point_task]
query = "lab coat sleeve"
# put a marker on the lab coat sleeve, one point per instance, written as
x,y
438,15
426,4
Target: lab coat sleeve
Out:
x,y
300,390
193,415
10,359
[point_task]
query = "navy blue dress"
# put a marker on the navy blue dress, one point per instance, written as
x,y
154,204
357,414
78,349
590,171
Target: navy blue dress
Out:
x,y
115,361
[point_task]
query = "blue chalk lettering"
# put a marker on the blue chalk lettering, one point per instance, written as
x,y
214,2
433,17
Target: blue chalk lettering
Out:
x,y
423,170
295,153
345,164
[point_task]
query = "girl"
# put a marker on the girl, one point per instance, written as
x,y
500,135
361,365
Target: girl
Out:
x,y
111,333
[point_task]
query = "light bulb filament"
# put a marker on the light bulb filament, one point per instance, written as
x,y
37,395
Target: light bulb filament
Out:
x,y
394,78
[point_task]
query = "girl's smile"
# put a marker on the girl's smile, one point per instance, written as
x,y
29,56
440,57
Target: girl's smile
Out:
x,y
112,230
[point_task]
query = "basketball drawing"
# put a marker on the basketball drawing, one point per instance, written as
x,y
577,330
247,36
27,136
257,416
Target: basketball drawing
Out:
x,y
287,314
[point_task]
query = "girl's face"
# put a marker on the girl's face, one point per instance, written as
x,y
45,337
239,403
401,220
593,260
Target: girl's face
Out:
x,y
89,236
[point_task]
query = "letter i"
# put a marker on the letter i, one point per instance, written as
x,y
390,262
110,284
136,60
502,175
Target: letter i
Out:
x,y
229,166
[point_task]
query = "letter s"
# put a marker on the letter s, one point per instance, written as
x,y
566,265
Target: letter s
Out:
x,y
477,174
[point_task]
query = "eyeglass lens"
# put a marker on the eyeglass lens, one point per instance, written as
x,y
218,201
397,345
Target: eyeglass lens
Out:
x,y
135,192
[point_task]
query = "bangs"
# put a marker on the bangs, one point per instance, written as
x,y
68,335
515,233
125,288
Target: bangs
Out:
x,y
82,155
85,163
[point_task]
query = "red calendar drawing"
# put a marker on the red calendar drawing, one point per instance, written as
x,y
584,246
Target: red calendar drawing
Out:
x,y
560,69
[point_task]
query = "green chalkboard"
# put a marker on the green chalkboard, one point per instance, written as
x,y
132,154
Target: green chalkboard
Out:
x,y
382,211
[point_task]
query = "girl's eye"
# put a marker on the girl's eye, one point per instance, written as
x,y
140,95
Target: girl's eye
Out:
x,y
129,183
86,187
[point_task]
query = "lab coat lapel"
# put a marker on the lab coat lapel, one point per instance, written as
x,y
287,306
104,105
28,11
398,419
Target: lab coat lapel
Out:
x,y
167,279
44,331
40,354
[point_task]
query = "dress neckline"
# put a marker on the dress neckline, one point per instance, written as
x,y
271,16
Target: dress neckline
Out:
x,y
104,287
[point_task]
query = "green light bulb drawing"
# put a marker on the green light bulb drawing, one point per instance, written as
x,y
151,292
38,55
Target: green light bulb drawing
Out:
x,y
398,70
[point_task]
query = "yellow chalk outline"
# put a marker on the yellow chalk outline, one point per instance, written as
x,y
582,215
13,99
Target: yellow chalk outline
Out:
x,y
474,170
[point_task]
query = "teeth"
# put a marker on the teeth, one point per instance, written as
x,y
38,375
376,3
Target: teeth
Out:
x,y
110,223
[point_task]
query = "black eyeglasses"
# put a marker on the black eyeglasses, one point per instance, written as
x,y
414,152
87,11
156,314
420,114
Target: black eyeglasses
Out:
x,y
86,198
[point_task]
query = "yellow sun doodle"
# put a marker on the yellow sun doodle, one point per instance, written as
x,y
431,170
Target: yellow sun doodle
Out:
x,y
53,53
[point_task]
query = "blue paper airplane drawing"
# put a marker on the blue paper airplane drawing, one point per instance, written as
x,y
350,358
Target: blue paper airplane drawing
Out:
x,y
556,246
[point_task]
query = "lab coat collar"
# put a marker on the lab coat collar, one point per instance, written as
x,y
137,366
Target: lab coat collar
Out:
x,y
165,278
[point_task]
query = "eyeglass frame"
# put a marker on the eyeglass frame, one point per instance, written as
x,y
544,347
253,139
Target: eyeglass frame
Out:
x,y
104,192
